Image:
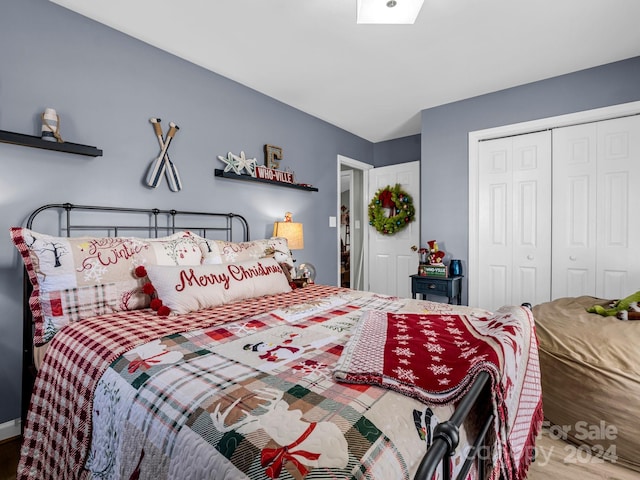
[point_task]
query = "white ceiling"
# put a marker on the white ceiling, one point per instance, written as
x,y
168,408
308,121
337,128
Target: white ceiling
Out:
x,y
373,80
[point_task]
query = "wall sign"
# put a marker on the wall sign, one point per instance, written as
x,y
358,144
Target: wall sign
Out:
x,y
272,156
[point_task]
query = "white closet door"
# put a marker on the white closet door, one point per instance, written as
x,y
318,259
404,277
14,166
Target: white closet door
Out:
x,y
532,218
495,222
596,232
514,178
618,232
574,211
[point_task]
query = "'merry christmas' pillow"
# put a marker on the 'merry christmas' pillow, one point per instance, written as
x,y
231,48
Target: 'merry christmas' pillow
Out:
x,y
192,288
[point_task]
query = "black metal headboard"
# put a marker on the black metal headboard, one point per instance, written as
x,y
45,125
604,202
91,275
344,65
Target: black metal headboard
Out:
x,y
158,221
75,220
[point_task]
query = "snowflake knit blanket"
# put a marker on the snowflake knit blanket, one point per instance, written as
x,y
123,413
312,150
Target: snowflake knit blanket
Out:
x,y
436,358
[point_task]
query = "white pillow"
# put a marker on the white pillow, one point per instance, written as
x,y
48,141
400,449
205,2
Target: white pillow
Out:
x,y
192,288
215,252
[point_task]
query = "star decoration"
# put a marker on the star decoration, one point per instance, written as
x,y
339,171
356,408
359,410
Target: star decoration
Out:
x,y
232,163
248,164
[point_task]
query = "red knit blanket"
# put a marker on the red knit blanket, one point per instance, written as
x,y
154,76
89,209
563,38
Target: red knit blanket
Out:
x,y
436,358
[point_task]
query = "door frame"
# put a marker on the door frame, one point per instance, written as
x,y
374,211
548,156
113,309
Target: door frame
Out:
x,y
350,206
475,137
364,167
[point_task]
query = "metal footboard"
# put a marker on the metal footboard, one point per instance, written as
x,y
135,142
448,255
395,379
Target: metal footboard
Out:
x,y
446,437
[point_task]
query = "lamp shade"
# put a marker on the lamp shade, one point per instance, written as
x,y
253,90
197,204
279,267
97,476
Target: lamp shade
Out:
x,y
292,231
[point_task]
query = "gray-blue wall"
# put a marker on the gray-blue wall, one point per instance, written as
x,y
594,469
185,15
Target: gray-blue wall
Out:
x,y
445,162
399,150
105,86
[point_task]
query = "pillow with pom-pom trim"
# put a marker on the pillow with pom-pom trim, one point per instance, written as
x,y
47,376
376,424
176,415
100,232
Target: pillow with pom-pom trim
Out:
x,y
193,288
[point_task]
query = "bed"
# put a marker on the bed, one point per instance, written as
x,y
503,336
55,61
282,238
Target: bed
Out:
x,y
591,378
177,355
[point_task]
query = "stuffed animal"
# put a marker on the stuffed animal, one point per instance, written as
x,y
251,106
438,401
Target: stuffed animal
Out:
x,y
436,258
436,255
633,313
625,309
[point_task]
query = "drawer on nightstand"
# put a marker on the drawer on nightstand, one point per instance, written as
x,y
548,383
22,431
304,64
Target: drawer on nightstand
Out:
x,y
434,286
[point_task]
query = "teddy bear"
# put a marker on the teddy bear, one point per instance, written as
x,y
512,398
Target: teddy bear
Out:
x,y
625,309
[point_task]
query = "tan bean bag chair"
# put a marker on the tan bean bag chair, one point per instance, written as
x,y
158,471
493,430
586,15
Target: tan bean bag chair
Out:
x,y
590,368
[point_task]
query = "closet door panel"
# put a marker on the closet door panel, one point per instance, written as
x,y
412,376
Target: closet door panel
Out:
x,y
574,211
577,281
514,220
495,223
618,235
531,218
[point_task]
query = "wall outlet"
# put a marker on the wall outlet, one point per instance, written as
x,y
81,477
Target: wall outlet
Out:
x,y
333,222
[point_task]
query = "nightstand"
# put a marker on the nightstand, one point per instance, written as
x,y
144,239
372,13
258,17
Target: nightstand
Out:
x,y
450,287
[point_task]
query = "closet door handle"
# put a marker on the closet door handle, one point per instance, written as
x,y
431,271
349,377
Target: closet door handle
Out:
x,y
572,258
529,257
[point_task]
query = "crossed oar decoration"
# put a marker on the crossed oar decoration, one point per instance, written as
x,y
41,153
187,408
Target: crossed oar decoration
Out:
x,y
163,163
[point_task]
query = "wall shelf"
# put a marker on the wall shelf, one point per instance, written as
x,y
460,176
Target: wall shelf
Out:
x,y
221,173
37,142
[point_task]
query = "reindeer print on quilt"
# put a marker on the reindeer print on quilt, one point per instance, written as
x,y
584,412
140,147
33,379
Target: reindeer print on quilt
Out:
x,y
255,399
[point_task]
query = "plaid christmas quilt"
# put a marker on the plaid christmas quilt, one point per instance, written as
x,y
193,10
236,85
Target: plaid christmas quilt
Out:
x,y
240,391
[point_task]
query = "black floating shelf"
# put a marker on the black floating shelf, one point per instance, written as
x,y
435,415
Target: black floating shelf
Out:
x,y
37,142
249,178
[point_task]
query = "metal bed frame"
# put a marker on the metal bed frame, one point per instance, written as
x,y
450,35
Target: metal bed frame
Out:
x,y
446,434
158,222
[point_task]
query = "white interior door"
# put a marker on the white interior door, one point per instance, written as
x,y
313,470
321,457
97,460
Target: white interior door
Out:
x,y
531,218
391,260
495,222
574,213
574,189
514,220
618,232
596,232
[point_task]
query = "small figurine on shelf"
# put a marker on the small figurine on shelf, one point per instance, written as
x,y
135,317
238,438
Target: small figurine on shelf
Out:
x,y
431,258
436,256
50,126
423,259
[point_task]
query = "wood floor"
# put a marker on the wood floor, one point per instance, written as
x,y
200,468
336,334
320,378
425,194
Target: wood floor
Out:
x,y
9,452
558,460
550,463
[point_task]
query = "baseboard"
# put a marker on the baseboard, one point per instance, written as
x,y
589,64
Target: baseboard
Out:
x,y
10,429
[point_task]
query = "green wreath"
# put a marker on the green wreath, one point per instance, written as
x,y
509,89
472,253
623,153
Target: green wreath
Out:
x,y
402,209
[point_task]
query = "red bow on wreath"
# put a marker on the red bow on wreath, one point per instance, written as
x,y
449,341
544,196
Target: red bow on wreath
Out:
x,y
385,199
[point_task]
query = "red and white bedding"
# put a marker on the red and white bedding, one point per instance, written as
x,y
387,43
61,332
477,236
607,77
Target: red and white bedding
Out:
x,y
247,390
436,358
